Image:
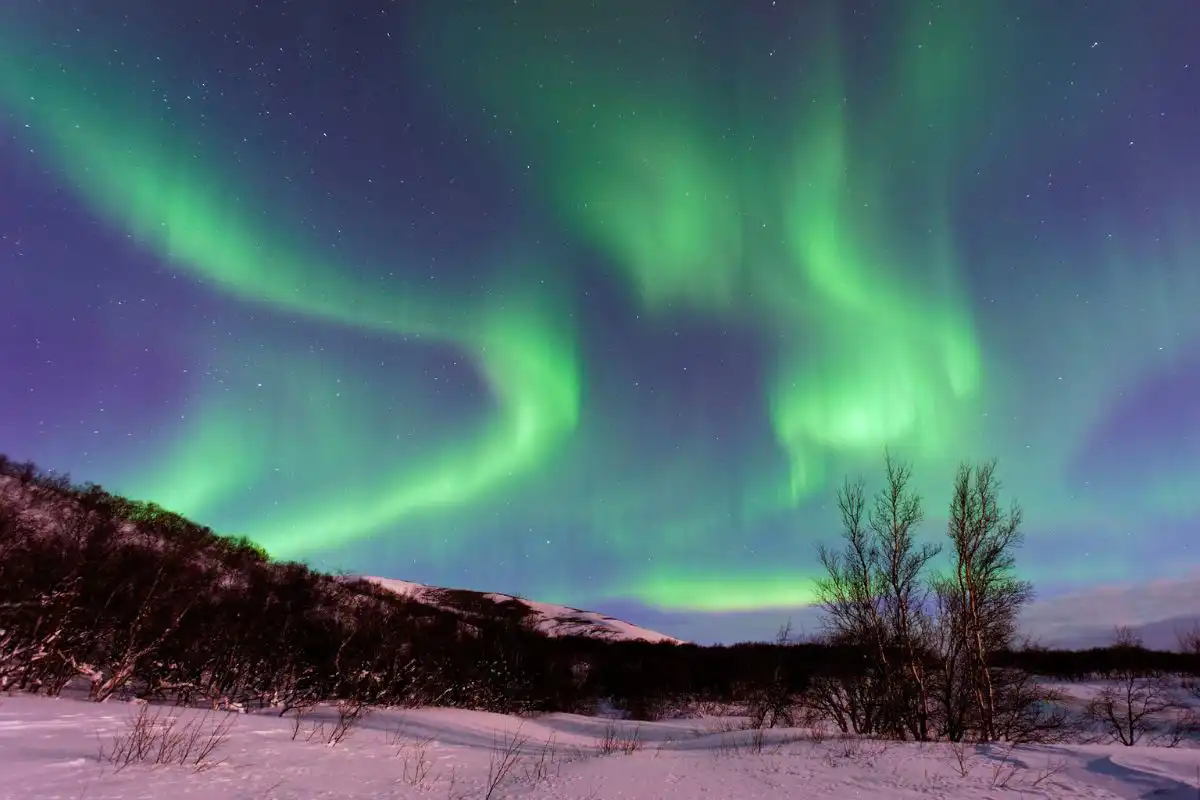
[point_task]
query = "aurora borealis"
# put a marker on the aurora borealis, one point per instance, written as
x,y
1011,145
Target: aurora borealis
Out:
x,y
598,302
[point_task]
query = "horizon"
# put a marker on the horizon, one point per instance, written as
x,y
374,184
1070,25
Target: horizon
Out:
x,y
1063,619
1053,620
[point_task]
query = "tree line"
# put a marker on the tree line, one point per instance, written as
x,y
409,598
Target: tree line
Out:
x,y
135,601
942,660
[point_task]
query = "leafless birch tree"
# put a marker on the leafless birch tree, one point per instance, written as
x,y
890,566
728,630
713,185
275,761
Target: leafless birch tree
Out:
x,y
986,597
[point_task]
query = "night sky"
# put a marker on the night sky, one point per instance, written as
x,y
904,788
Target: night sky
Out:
x,y
598,302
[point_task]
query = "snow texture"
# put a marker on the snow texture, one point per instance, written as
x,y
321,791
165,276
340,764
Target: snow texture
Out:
x,y
49,747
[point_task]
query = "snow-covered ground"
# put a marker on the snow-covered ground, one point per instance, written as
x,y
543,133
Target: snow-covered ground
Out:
x,y
49,749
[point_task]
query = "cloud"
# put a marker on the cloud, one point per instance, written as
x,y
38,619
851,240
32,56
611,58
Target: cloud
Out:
x,y
1087,618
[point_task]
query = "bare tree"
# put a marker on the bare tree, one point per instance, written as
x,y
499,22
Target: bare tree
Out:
x,y
771,701
848,593
850,599
952,698
1129,707
875,597
130,644
902,567
1189,643
986,595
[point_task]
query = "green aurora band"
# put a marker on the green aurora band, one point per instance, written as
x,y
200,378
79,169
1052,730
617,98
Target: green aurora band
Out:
x,y
180,207
867,358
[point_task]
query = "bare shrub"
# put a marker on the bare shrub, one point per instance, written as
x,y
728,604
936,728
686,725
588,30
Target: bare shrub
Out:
x,y
417,767
770,707
848,747
546,764
757,740
962,757
709,708
606,745
1189,640
1029,712
1049,771
724,726
1135,701
813,721
727,746
771,700
1183,726
1007,772
299,715
162,738
616,740
317,731
1004,770
1189,643
506,755
333,733
453,792
350,714
663,745
1125,712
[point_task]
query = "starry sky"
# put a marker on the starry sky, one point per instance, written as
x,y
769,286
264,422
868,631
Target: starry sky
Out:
x,y
599,302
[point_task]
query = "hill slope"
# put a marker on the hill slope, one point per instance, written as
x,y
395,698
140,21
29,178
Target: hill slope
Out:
x,y
552,620
29,501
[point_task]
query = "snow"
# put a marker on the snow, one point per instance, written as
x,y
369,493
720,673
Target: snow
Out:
x,y
49,747
550,619
563,620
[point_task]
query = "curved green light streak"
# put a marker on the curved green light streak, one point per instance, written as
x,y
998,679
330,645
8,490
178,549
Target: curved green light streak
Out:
x,y
124,164
875,344
188,478
874,341
896,356
665,207
524,365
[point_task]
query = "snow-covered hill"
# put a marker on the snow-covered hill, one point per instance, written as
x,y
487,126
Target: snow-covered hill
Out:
x,y
550,619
